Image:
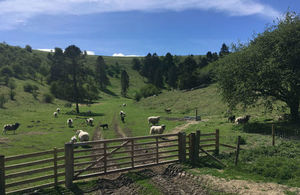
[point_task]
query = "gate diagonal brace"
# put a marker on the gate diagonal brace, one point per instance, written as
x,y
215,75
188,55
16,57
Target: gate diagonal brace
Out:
x,y
100,159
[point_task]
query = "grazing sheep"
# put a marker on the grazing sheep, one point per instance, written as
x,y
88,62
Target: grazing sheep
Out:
x,y
242,119
70,122
157,129
73,139
124,104
168,110
153,120
122,115
55,114
104,126
82,135
10,127
231,118
57,110
89,121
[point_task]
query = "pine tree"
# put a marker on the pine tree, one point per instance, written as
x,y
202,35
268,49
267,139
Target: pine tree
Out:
x,y
124,83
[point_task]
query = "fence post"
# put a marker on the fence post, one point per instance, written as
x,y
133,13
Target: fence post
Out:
x,y
192,153
104,157
2,174
69,165
132,153
157,157
181,147
55,165
197,146
237,151
217,150
196,119
273,135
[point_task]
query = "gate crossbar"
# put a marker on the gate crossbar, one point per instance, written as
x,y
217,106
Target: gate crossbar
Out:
x,y
100,159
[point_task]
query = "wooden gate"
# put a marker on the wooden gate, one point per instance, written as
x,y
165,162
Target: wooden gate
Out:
x,y
95,158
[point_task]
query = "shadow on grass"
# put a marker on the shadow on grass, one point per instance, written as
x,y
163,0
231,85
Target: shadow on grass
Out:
x,y
282,129
109,92
84,113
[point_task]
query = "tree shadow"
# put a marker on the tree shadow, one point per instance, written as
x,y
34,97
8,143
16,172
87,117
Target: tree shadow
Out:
x,y
88,113
107,91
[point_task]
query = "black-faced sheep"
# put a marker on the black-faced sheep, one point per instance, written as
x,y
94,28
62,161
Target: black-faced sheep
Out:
x,y
157,129
57,110
82,135
89,121
70,122
73,139
153,120
231,118
122,115
55,114
242,119
10,127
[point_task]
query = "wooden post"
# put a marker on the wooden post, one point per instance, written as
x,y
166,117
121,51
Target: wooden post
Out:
x,y
196,115
2,174
237,151
217,150
55,166
181,147
132,153
104,157
192,153
197,146
69,165
273,135
157,150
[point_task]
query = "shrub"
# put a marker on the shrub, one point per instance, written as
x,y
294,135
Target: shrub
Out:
x,y
30,88
149,90
137,96
3,100
48,98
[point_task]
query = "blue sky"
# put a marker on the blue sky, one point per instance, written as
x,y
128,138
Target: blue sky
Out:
x,y
136,27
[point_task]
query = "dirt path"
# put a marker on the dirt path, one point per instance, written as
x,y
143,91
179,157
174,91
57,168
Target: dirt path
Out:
x,y
183,126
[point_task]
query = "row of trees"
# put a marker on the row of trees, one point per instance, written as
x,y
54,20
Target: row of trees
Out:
x,y
175,73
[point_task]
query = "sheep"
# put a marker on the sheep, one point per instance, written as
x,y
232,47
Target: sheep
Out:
x,y
10,127
82,135
242,119
55,114
231,118
57,110
124,104
157,129
70,122
168,110
89,121
104,126
153,119
122,115
73,139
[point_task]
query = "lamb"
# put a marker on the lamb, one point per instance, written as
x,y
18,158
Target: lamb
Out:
x,y
89,121
157,129
55,114
104,126
153,119
242,119
122,115
124,104
231,118
57,110
168,110
70,122
82,135
10,127
73,139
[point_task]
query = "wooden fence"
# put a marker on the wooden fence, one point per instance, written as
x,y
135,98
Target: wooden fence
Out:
x,y
95,158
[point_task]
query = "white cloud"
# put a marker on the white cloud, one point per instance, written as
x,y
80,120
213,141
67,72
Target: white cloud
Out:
x,y
122,55
14,11
90,53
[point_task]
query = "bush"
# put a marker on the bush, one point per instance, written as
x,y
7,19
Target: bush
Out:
x,y
48,98
149,90
30,88
3,100
137,96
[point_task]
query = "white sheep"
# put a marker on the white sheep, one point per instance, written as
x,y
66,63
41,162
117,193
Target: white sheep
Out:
x,y
153,119
122,113
157,129
82,135
124,104
57,110
10,127
73,139
89,121
242,119
55,114
70,122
